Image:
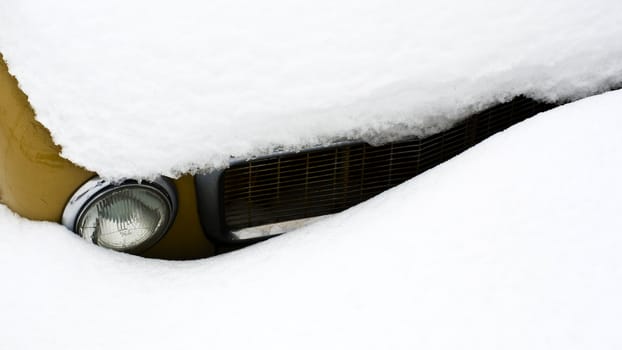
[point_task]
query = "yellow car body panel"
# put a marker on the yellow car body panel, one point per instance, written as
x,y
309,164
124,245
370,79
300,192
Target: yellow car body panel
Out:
x,y
36,182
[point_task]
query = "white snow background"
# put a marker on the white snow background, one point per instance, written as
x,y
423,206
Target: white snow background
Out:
x,y
514,244
138,88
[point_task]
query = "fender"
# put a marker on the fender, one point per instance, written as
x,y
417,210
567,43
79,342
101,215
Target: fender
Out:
x,y
35,181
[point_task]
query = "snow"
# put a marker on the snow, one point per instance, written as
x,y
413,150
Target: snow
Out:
x,y
143,87
514,244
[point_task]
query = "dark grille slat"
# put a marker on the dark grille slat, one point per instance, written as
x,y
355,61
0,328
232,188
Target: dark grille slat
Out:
x,y
399,171
293,168
288,181
320,205
319,182
369,185
326,196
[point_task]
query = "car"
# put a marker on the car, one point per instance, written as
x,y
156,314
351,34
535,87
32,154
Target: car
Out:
x,y
220,210
245,194
515,241
197,216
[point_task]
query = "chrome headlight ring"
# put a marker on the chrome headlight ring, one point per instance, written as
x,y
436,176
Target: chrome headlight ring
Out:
x,y
128,216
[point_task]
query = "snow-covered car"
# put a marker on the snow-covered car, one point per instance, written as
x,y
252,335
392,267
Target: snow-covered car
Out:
x,y
227,208
515,243
187,142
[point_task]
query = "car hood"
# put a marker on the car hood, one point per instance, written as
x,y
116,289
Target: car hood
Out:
x,y
135,89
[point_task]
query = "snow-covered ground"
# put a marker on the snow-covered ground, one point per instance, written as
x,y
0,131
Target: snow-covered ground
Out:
x,y
515,244
147,87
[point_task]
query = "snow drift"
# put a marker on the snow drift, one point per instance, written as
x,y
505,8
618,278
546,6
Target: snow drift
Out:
x,y
138,88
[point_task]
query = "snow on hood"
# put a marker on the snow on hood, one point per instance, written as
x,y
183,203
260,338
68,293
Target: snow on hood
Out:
x,y
514,244
144,87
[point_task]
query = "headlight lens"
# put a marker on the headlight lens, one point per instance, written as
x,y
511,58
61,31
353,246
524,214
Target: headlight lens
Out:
x,y
129,217
125,218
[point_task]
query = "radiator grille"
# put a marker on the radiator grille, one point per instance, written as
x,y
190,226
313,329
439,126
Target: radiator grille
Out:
x,y
326,181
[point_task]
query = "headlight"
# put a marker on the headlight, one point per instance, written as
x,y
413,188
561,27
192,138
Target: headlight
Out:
x,y
128,217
